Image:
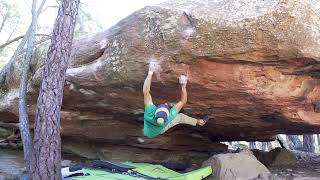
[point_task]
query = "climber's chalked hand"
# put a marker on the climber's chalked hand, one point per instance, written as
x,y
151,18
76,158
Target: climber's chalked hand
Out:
x,y
183,80
153,66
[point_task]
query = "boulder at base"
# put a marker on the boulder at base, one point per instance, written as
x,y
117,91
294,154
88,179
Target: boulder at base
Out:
x,y
276,157
232,166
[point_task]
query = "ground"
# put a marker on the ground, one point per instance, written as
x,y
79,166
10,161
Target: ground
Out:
x,y
11,163
308,166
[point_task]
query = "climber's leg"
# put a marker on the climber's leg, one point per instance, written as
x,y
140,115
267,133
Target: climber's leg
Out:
x,y
182,119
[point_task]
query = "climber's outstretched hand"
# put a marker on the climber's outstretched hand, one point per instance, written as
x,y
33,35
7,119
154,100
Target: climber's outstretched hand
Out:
x,y
153,66
183,80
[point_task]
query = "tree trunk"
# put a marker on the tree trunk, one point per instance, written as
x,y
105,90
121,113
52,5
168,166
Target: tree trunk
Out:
x,y
47,142
264,146
269,146
23,114
308,143
283,141
252,145
296,144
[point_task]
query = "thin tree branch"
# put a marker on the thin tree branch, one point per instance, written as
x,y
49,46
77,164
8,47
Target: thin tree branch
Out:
x,y
35,44
18,38
4,70
12,26
4,21
1,13
13,31
40,7
42,40
49,7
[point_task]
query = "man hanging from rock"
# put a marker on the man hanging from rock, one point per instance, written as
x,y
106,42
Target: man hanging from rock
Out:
x,y
158,119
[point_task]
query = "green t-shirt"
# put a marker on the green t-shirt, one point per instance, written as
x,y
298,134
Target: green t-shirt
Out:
x,y
151,129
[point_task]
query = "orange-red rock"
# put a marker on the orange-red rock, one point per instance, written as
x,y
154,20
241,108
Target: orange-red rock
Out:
x,y
252,65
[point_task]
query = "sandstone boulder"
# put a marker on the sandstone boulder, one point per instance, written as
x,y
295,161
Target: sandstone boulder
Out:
x,y
4,133
253,66
136,153
233,166
276,157
66,163
307,178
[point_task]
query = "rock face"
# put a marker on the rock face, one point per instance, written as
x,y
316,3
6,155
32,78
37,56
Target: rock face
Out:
x,y
252,65
276,157
234,166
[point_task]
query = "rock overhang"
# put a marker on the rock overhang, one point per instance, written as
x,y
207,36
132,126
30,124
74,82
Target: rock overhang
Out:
x,y
253,68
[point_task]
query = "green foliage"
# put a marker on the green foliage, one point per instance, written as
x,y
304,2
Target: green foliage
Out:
x,y
314,1
6,53
13,26
3,91
86,23
10,16
10,8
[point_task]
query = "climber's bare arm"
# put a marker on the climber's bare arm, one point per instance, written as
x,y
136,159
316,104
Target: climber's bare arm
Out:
x,y
184,97
146,89
153,67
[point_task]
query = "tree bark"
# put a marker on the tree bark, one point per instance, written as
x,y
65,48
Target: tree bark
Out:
x,y
295,141
269,146
308,143
252,145
47,141
264,146
23,114
283,142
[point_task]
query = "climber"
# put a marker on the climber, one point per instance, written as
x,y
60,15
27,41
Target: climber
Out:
x,y
158,119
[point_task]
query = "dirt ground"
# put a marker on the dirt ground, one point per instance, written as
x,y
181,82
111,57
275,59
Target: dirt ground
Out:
x,y
11,163
307,167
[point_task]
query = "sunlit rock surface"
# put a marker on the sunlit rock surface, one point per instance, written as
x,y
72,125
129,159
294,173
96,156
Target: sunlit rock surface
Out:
x,y
252,65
